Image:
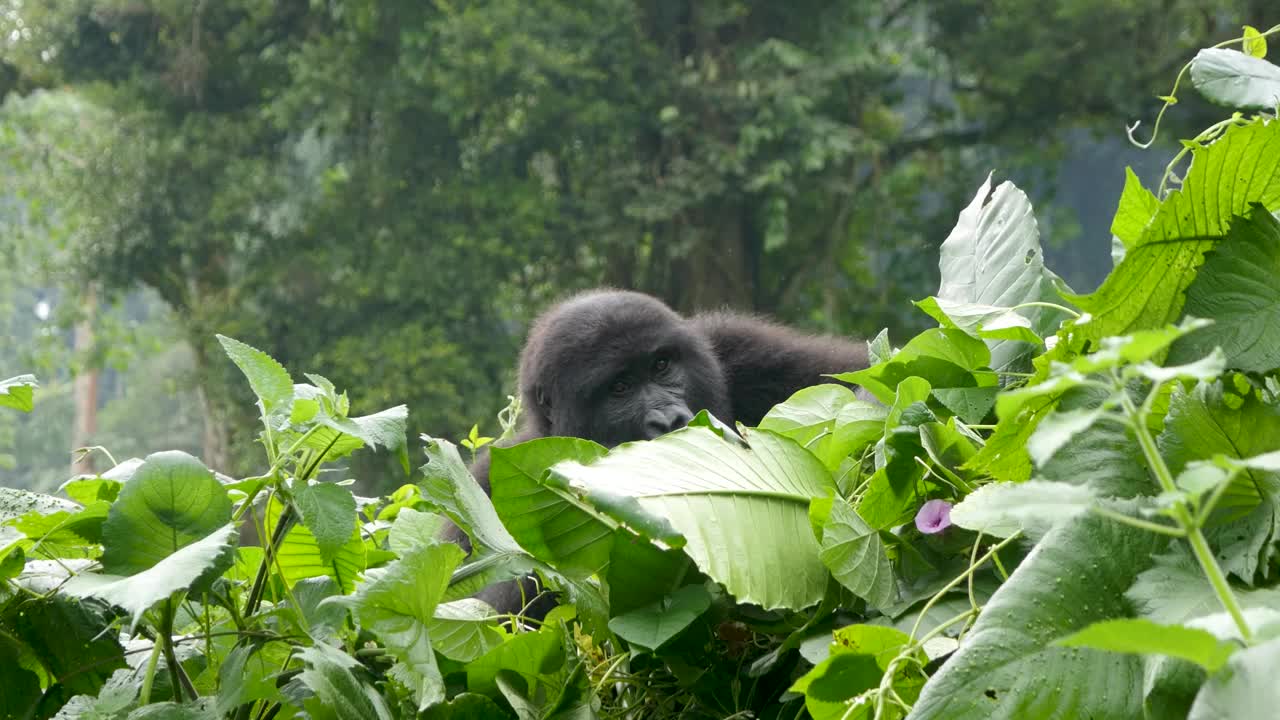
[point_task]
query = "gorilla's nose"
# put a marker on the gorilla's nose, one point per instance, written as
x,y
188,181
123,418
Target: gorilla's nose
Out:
x,y
661,422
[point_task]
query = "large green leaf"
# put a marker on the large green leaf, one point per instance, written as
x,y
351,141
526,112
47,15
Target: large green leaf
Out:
x,y
177,571
760,546
340,436
1133,635
448,485
463,630
329,512
299,556
17,392
74,643
1136,208
552,530
172,501
855,664
15,503
496,556
946,358
829,420
1147,289
1001,509
1231,78
653,625
339,683
413,528
399,604
268,378
1174,590
1210,421
1245,690
535,656
1237,288
992,257
854,553
1007,668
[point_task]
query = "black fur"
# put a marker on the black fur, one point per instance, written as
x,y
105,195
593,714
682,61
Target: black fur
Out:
x,y
735,366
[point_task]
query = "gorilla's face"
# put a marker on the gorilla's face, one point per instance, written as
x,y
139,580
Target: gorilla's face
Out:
x,y
615,367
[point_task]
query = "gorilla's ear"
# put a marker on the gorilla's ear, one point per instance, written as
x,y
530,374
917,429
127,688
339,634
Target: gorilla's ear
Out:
x,y
540,394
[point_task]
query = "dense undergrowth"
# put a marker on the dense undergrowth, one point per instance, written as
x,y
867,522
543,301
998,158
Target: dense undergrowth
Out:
x,y
1066,506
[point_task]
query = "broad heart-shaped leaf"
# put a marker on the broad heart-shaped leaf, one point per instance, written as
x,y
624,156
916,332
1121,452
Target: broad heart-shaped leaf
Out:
x,y
73,642
993,257
1236,80
172,501
413,528
1146,290
463,630
969,404
329,512
653,625
1007,668
1001,509
984,321
1131,635
268,378
63,534
550,528
1207,422
855,663
944,357
15,503
16,392
1174,590
1245,689
398,606
1105,457
332,675
1237,288
299,555
136,593
829,420
535,656
760,547
854,553
640,573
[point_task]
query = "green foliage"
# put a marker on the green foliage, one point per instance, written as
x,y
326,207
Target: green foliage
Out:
x,y
1051,514
17,392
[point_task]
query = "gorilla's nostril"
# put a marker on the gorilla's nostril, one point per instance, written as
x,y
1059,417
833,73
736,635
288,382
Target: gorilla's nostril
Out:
x,y
679,419
654,428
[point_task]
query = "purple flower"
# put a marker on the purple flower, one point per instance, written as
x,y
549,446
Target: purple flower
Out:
x,y
934,517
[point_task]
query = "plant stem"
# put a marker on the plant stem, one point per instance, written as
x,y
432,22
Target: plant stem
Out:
x,y
973,567
1138,522
149,679
1051,306
177,676
283,524
1199,546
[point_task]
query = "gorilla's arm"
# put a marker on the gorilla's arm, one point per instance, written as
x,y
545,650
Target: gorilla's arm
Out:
x,y
765,363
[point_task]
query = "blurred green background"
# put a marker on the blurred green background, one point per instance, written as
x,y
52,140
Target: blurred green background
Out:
x,y
386,191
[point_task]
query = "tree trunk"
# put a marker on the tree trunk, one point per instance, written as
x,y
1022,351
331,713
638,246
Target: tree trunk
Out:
x,y
215,444
84,390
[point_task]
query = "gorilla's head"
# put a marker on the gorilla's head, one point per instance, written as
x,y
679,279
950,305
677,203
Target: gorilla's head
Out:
x,y
615,366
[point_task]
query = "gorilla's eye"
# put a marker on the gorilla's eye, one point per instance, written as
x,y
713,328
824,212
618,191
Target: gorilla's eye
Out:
x,y
660,364
619,387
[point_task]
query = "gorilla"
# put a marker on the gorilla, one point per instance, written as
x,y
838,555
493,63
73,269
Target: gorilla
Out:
x,y
615,366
